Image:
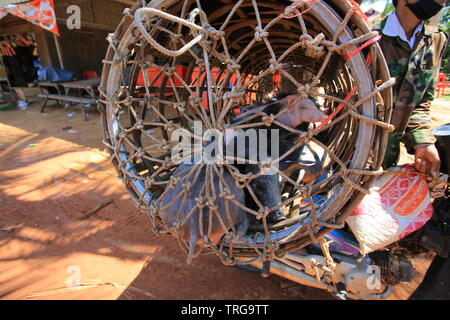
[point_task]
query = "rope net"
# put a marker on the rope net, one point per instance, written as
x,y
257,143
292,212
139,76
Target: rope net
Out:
x,y
173,65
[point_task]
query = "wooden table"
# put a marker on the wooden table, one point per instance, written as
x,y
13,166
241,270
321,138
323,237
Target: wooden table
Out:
x,y
82,92
88,86
76,92
44,86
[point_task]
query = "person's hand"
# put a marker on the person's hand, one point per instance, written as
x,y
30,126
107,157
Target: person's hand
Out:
x,y
427,160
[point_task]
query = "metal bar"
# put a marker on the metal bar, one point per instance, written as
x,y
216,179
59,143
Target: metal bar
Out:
x,y
294,275
59,51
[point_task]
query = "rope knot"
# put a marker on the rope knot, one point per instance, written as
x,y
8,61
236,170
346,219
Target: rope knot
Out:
x,y
150,181
304,91
212,32
292,11
239,184
231,236
227,194
177,225
200,202
169,71
305,38
143,64
312,45
167,164
275,66
153,210
128,102
139,125
232,66
262,213
260,34
345,172
305,138
165,145
235,94
169,126
243,178
212,205
195,101
200,63
140,152
268,120
180,106
122,135
173,181
304,190
266,165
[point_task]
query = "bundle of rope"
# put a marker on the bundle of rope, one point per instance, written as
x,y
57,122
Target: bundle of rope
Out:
x,y
234,54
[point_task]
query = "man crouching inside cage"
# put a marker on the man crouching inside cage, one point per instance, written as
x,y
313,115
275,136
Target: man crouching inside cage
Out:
x,y
413,50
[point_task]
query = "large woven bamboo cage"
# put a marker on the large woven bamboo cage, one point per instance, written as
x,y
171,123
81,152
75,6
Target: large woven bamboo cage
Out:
x,y
173,62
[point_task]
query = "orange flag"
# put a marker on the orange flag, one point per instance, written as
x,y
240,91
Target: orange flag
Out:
x,y
39,12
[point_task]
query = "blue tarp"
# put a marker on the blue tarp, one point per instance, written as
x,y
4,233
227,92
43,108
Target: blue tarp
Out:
x,y
54,74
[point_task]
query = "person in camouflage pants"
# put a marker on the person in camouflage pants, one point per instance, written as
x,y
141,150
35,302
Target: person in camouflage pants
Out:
x,y
413,51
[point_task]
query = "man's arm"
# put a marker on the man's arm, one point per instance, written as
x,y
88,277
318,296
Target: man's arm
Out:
x,y
418,130
418,137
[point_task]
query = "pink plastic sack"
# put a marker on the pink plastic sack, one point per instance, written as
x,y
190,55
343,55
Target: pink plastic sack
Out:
x,y
396,206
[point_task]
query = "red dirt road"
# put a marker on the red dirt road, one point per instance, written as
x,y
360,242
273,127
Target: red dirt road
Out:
x,y
50,177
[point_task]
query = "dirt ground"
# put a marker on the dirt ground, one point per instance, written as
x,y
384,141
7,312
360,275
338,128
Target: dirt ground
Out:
x,y
50,177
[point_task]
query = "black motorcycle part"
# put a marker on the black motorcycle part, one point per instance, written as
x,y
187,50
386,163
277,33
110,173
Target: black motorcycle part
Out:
x,y
442,135
394,270
435,235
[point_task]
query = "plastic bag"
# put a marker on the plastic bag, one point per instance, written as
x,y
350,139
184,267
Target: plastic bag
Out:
x,y
397,205
22,105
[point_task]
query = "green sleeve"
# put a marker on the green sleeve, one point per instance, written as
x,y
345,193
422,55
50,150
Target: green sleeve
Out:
x,y
419,126
418,129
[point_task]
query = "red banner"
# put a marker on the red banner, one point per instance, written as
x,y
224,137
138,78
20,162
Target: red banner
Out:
x,y
39,12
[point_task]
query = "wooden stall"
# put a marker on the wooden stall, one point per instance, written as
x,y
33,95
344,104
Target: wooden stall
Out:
x,y
75,50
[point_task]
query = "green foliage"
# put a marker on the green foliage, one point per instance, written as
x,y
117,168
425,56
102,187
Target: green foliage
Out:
x,y
388,9
445,20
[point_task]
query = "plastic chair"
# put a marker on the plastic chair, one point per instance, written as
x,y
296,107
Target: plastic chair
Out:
x,y
89,74
442,84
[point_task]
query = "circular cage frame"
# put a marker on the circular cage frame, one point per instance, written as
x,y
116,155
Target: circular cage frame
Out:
x,y
339,21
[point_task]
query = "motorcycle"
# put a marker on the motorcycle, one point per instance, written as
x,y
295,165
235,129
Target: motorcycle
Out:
x,y
143,77
373,276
